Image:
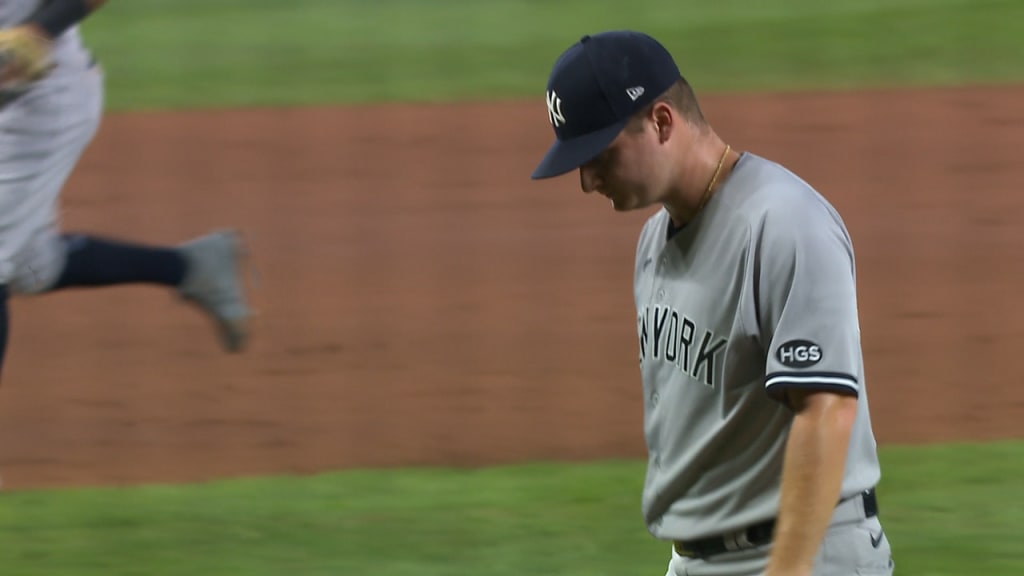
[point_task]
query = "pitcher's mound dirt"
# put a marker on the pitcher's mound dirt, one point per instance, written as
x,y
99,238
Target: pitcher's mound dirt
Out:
x,y
423,302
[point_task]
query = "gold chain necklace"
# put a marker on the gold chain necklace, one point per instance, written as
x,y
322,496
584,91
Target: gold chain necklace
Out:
x,y
714,179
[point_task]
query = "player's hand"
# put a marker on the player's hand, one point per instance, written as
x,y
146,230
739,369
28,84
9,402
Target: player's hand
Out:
x,y
25,57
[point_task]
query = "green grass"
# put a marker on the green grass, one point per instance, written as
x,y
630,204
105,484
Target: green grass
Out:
x,y
949,510
174,53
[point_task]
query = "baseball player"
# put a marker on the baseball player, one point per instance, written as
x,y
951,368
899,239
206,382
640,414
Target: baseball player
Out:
x,y
51,101
762,460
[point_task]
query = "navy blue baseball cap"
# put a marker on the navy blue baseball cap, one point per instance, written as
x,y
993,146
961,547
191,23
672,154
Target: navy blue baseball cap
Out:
x,y
596,85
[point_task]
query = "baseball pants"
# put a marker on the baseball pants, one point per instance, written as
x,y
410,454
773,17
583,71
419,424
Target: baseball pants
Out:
x,y
854,545
42,136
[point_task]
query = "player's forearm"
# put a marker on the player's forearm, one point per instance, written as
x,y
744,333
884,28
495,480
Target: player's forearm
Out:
x,y
811,480
53,17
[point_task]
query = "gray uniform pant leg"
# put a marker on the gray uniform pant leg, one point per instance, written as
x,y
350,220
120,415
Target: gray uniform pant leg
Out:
x,y
853,546
42,136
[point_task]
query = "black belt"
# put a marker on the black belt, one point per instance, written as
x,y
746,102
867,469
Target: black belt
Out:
x,y
753,536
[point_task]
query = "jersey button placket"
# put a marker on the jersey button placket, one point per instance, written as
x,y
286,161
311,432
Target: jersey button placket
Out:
x,y
659,271
662,264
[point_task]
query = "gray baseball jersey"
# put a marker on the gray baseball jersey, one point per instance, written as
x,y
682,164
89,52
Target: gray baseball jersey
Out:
x,y
756,296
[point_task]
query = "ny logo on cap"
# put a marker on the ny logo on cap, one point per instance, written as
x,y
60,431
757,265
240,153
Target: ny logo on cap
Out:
x,y
555,109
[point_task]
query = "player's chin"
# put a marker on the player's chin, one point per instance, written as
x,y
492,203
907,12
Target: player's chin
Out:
x,y
626,203
615,202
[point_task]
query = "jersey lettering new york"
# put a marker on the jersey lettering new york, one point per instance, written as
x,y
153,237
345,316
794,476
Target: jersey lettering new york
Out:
x,y
670,336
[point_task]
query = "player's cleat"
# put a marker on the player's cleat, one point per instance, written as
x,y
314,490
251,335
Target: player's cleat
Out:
x,y
212,283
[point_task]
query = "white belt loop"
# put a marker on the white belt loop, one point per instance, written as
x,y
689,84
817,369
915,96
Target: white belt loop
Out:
x,y
850,510
735,541
742,541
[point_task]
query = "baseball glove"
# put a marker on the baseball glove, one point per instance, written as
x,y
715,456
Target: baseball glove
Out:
x,y
25,58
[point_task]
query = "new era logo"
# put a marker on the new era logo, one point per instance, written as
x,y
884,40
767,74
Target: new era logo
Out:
x,y
555,109
635,92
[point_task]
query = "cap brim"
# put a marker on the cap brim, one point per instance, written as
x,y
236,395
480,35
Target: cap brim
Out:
x,y
567,155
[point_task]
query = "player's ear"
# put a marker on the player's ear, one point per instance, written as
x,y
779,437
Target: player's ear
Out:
x,y
663,120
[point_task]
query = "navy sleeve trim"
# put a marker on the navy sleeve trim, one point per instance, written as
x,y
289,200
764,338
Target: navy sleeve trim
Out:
x,y
56,16
830,381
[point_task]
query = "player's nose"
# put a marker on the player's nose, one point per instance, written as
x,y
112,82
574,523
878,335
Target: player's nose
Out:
x,y
589,181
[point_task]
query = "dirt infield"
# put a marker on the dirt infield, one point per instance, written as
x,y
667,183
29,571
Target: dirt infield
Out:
x,y
423,302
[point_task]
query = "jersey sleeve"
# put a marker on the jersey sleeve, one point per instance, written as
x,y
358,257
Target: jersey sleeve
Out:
x,y
807,309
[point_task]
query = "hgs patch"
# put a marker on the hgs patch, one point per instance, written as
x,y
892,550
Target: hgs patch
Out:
x,y
799,354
